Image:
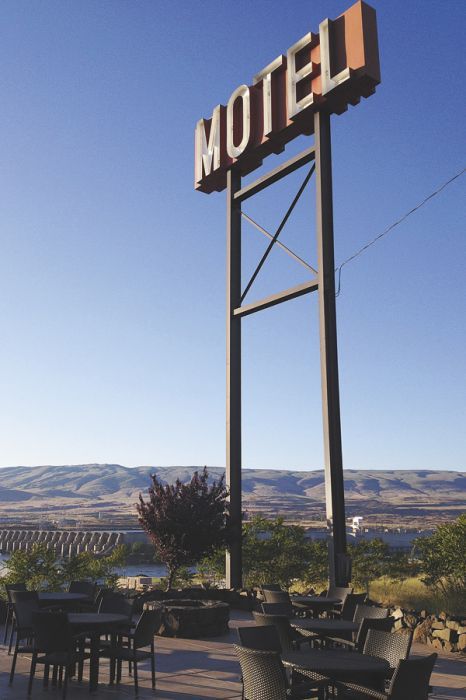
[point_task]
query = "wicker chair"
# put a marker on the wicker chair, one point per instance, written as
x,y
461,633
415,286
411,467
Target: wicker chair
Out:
x,y
85,588
56,645
9,588
367,611
350,604
277,609
264,677
290,638
366,624
24,604
271,587
410,680
391,647
143,636
264,637
338,592
276,596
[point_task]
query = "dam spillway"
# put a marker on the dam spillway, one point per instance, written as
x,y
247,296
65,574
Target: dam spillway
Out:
x,y
67,543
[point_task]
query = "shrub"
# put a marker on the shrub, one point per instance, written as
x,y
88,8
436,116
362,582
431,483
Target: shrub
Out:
x,y
442,559
40,569
186,522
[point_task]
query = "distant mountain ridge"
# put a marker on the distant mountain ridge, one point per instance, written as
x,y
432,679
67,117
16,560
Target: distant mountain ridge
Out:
x,y
115,488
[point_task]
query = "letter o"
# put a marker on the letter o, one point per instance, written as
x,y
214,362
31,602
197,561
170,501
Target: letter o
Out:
x,y
234,151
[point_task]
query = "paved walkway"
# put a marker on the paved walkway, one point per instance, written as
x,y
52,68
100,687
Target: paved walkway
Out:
x,y
197,669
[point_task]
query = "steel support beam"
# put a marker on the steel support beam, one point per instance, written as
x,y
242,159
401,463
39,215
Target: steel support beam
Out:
x,y
275,175
333,461
233,385
274,299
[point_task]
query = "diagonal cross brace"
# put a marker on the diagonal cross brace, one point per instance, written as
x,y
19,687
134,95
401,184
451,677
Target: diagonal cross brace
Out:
x,y
287,250
277,232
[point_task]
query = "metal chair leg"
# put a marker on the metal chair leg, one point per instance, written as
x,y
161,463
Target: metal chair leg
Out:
x,y
152,664
12,634
7,621
65,682
13,663
135,676
32,672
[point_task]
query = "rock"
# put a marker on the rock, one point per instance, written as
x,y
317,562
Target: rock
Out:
x,y
447,646
422,632
438,625
437,644
398,625
445,634
410,620
443,615
462,642
397,614
423,614
453,625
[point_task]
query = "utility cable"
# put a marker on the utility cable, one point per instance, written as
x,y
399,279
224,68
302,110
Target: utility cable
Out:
x,y
392,226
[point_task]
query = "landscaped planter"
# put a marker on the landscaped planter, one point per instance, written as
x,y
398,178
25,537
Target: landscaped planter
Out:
x,y
192,619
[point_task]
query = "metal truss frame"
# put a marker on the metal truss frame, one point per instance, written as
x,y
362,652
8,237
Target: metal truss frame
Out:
x,y
323,282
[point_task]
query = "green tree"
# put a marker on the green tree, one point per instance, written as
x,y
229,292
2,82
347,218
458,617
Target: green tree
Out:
x,y
370,560
443,557
274,551
211,569
317,572
186,522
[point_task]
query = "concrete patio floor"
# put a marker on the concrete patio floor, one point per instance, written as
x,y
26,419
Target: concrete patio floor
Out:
x,y
198,669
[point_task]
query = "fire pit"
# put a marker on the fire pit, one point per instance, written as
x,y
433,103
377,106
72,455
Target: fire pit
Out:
x,y
192,618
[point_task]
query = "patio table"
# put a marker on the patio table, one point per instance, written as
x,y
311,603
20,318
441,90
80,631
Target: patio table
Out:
x,y
350,666
326,626
62,598
314,603
94,625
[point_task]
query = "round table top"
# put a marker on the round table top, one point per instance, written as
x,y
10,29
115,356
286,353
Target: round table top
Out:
x,y
325,626
336,663
96,620
62,597
315,600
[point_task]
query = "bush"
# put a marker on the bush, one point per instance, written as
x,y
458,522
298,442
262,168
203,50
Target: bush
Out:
x,y
40,569
186,522
442,559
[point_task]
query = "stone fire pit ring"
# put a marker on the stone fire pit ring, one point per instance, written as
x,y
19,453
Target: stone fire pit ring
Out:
x,y
192,619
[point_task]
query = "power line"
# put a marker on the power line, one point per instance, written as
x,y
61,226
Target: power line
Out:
x,y
392,226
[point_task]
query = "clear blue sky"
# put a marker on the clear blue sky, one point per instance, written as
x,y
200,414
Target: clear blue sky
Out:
x,y
112,268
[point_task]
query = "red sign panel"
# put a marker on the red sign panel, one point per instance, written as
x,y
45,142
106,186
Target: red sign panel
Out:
x,y
324,71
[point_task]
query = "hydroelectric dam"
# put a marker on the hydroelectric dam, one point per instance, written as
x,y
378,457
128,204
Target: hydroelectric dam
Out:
x,y
67,543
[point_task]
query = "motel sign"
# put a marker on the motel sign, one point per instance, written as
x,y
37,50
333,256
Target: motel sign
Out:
x,y
324,71
320,75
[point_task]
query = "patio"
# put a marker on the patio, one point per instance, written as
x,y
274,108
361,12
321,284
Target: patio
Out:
x,y
199,669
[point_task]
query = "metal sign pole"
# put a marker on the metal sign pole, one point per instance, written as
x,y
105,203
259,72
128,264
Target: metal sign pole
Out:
x,y
233,394
333,461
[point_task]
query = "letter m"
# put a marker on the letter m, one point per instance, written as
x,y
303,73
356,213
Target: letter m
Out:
x,y
207,147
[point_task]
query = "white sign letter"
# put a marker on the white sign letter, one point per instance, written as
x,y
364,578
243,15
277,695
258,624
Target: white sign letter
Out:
x,y
207,155
243,94
266,76
294,76
328,83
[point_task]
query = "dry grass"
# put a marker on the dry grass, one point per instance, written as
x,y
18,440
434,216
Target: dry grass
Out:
x,y
412,594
